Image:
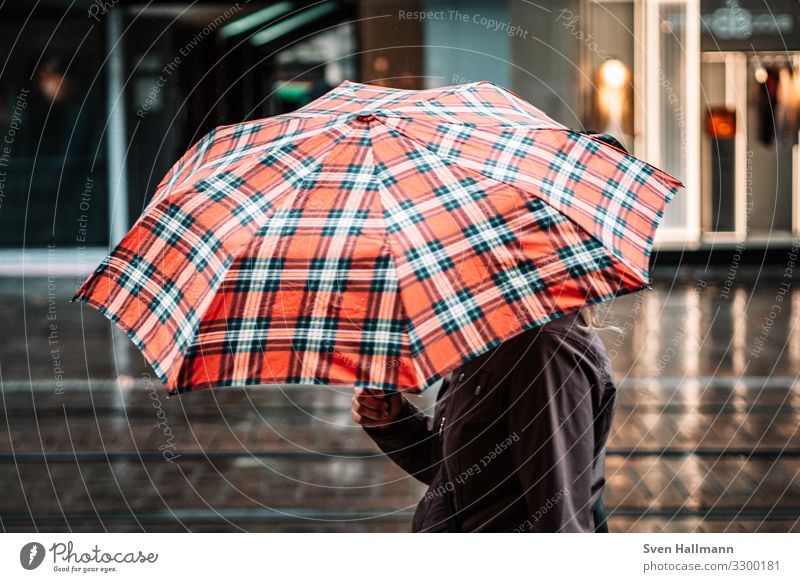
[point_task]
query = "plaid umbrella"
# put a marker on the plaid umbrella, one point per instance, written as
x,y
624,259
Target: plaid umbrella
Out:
x,y
376,238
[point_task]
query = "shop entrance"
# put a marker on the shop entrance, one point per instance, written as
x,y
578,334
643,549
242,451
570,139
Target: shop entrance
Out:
x,y
749,152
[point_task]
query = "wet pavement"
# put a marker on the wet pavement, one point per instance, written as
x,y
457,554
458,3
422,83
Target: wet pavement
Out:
x,y
706,435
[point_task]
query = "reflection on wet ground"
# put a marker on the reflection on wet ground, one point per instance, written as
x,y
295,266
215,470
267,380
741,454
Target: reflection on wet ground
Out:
x,y
705,436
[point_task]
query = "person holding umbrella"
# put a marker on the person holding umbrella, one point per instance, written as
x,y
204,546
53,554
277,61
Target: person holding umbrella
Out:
x,y
517,439
387,239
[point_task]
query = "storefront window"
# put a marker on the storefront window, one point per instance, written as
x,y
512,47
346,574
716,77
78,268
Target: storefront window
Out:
x,y
609,63
751,54
53,187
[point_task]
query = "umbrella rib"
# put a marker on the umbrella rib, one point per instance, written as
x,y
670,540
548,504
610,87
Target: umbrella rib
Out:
x,y
411,103
218,132
660,174
270,147
406,318
447,121
408,95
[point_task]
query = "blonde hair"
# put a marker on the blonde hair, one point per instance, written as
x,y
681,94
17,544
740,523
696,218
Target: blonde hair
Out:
x,y
594,321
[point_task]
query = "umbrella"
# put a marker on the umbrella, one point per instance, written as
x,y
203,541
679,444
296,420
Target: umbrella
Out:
x,y
375,238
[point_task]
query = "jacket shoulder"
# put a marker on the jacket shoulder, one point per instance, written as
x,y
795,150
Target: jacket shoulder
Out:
x,y
567,337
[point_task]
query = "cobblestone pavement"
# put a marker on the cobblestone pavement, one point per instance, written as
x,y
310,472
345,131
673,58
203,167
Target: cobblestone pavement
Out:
x,y
705,437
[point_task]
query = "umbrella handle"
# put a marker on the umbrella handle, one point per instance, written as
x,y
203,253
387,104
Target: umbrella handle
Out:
x,y
385,396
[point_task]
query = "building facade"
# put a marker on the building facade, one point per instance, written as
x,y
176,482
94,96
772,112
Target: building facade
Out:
x,y
98,99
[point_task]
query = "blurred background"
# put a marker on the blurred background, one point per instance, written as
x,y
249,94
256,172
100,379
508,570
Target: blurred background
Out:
x,y
98,99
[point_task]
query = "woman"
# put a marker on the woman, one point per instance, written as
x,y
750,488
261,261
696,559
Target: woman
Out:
x,y
517,439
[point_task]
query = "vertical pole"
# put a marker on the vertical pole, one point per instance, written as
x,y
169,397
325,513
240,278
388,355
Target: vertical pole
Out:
x,y
117,136
116,141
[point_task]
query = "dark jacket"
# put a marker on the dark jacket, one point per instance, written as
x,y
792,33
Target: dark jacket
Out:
x,y
522,429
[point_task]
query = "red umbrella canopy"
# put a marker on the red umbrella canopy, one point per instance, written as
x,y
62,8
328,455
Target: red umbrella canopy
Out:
x,y
376,238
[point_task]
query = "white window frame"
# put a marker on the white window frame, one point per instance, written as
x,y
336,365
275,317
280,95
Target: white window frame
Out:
x,y
736,98
73,261
648,111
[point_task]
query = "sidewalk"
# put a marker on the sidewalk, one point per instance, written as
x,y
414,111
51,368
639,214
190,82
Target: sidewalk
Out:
x,y
706,435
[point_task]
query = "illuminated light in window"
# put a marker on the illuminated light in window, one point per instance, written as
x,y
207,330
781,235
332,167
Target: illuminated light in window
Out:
x,y
279,29
255,19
